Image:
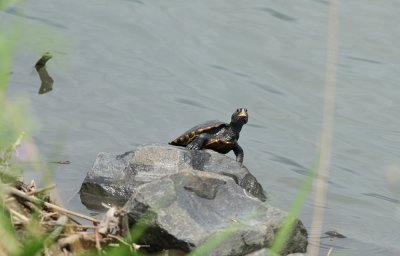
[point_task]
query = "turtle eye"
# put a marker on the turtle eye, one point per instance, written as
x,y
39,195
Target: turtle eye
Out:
x,y
245,110
237,110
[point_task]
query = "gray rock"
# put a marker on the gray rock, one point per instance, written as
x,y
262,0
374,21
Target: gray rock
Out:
x,y
185,198
267,252
186,209
113,178
262,252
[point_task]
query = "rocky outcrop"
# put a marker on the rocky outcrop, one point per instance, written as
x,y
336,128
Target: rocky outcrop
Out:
x,y
188,209
189,200
113,178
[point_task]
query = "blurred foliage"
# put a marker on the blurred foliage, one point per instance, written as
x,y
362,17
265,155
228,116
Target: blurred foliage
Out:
x,y
287,228
5,3
14,120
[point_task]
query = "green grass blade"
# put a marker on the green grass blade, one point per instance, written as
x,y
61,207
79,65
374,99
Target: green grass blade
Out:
x,y
288,225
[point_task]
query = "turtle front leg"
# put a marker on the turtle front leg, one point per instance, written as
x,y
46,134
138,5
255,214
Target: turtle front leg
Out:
x,y
238,152
198,142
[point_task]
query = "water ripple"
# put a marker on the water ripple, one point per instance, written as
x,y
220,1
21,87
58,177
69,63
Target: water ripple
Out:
x,y
257,126
229,70
192,103
326,2
296,167
364,60
16,12
267,88
135,1
379,196
346,247
277,14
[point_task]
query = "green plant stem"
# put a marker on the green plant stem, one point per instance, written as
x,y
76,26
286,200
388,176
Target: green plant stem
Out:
x,y
288,225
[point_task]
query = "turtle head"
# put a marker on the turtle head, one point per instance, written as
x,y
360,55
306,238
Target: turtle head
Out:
x,y
240,116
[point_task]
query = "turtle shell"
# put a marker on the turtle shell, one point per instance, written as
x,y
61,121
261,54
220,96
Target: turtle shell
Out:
x,y
211,127
220,145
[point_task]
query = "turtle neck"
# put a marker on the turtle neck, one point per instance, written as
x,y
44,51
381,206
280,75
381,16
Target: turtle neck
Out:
x,y
234,129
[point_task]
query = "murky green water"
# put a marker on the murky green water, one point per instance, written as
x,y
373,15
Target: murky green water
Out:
x,y
135,72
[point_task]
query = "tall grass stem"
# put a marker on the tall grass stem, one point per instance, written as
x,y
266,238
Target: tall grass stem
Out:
x,y
327,129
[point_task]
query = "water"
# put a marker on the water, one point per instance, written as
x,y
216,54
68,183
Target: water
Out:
x,y
135,72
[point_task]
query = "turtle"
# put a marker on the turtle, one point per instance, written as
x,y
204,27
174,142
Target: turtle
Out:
x,y
216,135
